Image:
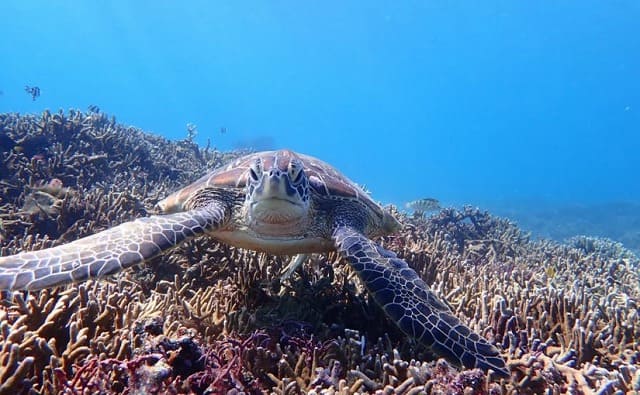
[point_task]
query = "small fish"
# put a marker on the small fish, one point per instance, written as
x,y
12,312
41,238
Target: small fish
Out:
x,y
223,130
33,91
550,271
55,188
422,205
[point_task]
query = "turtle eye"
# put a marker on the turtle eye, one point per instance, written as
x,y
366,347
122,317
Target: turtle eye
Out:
x,y
295,172
254,170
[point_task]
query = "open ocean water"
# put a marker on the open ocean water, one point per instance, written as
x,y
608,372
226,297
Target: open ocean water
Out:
x,y
528,109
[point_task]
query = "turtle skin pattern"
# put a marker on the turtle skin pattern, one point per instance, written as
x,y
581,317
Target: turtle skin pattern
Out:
x,y
106,252
409,302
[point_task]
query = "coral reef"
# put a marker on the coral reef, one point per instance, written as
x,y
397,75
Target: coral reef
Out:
x,y
208,318
617,220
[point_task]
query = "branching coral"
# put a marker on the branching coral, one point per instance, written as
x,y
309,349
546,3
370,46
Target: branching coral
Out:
x,y
209,318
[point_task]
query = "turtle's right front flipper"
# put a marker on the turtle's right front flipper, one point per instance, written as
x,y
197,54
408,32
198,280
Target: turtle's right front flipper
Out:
x,y
107,252
409,302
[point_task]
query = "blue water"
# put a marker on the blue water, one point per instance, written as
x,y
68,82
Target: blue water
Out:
x,y
469,102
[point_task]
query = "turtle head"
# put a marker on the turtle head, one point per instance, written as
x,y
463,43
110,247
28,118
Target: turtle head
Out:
x,y
389,223
277,189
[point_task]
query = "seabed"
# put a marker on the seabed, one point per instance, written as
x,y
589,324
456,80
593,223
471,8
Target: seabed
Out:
x,y
207,318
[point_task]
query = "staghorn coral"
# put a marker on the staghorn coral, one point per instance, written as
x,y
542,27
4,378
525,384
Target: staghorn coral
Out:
x,y
209,318
577,307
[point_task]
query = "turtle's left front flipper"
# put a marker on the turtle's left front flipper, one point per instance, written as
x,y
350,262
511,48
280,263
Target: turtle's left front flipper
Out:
x,y
409,302
107,252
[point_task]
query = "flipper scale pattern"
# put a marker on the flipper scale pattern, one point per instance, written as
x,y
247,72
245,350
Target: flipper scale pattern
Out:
x,y
107,252
409,302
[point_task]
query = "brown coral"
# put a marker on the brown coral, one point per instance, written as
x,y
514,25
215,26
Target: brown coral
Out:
x,y
209,318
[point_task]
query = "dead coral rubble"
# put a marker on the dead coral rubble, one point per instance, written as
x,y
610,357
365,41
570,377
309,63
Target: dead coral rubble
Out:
x,y
208,318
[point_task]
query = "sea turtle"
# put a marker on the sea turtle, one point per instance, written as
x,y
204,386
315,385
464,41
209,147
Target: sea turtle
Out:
x,y
279,202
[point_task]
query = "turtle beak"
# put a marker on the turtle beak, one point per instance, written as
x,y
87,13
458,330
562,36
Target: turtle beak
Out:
x,y
168,205
390,224
274,187
275,204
